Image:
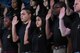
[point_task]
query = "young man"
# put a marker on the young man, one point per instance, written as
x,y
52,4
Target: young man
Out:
x,y
24,31
74,30
8,46
59,42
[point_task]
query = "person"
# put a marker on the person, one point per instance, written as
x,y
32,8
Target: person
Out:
x,y
39,41
34,5
0,43
74,30
24,31
8,46
59,42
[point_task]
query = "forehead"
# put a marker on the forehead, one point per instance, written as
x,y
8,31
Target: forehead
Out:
x,y
77,1
23,11
6,19
38,17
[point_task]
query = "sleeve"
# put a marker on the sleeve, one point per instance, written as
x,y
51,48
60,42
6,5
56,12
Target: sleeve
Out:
x,y
67,22
31,30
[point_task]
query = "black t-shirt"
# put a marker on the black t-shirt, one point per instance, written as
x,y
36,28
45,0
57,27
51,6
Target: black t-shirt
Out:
x,y
7,42
39,42
75,34
57,38
21,32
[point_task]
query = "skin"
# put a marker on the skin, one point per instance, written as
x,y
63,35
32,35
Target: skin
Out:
x,y
38,22
7,22
25,16
14,4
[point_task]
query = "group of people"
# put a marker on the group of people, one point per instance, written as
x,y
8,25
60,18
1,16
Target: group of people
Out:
x,y
40,26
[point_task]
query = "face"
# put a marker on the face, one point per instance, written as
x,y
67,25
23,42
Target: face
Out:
x,y
25,16
45,3
38,22
7,22
32,3
56,10
14,4
77,6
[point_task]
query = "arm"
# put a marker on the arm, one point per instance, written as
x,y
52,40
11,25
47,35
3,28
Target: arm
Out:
x,y
48,33
64,31
5,11
26,33
14,34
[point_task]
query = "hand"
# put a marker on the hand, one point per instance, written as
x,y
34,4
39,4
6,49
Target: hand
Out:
x,y
37,9
62,13
26,42
14,21
29,23
48,15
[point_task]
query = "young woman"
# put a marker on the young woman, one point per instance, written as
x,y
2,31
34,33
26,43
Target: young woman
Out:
x,y
39,44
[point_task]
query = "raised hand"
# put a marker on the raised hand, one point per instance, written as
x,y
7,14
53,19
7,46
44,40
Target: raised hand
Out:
x,y
29,23
14,21
48,15
62,13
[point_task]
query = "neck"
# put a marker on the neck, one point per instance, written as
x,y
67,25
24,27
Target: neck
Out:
x,y
26,22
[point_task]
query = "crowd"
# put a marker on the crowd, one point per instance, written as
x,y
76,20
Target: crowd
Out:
x,y
39,26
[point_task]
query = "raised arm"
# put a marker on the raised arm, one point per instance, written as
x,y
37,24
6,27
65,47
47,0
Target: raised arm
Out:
x,y
47,28
64,30
26,41
14,33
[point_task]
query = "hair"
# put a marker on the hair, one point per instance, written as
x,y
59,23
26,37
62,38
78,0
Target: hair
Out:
x,y
19,3
57,5
28,10
43,24
60,4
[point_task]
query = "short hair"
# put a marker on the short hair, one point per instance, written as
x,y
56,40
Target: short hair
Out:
x,y
28,10
59,4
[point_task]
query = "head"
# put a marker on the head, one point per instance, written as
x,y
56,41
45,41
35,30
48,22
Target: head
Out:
x,y
45,3
77,6
14,4
33,3
56,8
25,15
38,21
7,22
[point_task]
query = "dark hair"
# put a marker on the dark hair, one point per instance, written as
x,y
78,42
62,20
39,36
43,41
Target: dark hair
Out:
x,y
43,23
56,6
9,16
59,5
28,10
19,3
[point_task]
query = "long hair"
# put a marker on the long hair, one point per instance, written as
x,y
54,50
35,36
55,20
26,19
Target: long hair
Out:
x,y
42,31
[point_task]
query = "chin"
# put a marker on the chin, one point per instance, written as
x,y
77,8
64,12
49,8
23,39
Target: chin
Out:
x,y
38,26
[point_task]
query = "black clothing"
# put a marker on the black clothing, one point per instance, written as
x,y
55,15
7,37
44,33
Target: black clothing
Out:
x,y
75,34
7,42
21,32
58,40
39,43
